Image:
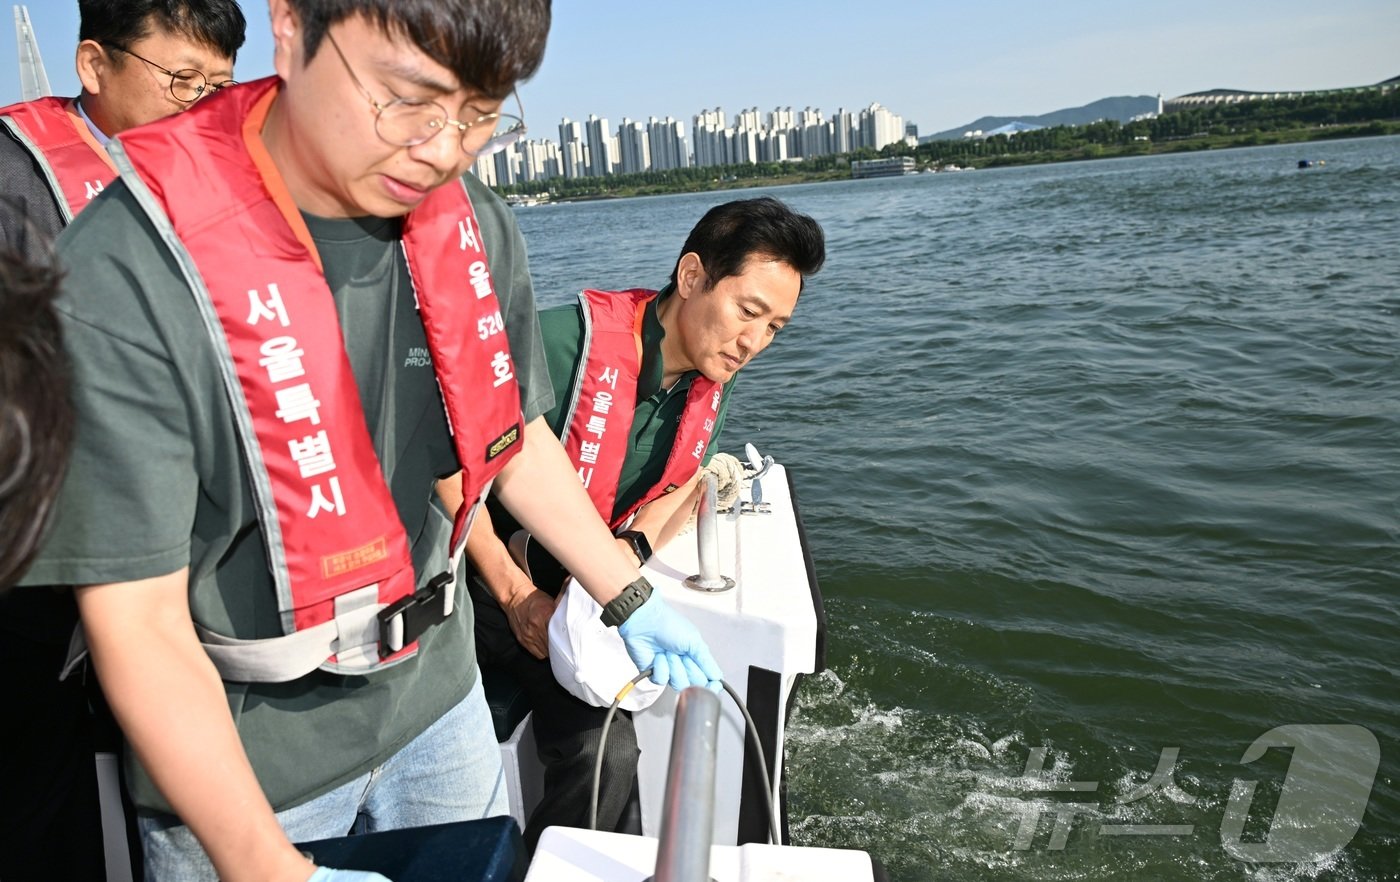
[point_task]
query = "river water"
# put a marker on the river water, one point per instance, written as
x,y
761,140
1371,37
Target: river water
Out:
x,y
1100,465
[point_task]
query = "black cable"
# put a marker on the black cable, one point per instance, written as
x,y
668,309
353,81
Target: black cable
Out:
x,y
749,725
602,743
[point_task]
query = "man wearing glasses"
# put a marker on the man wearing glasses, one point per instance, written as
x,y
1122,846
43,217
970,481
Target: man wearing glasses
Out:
x,y
138,61
290,317
52,163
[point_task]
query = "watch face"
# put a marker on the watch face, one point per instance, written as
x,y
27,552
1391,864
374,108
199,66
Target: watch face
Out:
x,y
640,546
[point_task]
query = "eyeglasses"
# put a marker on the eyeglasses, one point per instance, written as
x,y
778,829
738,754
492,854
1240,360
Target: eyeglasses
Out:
x,y
186,86
408,122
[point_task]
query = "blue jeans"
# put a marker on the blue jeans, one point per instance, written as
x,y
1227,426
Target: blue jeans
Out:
x,y
451,772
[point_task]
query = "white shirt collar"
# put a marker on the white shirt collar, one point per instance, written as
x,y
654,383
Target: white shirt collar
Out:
x,y
92,126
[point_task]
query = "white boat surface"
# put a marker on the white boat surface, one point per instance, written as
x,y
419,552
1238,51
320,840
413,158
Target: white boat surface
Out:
x,y
767,632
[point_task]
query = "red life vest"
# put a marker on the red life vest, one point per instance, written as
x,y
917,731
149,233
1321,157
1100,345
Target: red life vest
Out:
x,y
74,164
604,402
337,549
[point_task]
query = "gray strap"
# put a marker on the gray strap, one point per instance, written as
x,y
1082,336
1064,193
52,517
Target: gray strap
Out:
x,y
352,636
77,653
449,594
580,373
357,646
454,555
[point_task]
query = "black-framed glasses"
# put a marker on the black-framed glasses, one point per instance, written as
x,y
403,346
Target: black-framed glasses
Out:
x,y
408,122
186,86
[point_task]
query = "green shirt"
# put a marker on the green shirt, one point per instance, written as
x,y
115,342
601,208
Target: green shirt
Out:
x,y
658,411
157,480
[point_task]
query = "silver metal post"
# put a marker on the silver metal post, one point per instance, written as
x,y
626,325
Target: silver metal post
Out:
x,y
707,537
688,809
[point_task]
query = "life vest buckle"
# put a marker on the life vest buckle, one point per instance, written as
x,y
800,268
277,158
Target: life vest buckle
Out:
x,y
407,619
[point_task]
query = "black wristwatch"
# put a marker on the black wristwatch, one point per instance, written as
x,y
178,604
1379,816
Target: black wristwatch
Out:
x,y
640,546
623,605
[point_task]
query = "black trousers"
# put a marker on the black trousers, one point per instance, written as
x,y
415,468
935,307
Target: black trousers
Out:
x,y
566,736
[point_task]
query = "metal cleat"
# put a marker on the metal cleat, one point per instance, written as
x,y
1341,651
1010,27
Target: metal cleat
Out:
x,y
760,467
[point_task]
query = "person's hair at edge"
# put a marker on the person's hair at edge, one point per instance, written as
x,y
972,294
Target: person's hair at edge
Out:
x,y
490,45
218,24
729,234
36,415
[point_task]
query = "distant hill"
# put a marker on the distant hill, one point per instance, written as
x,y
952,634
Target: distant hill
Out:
x,y
1121,108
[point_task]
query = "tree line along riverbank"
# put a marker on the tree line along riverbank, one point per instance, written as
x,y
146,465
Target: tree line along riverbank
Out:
x,y
1353,114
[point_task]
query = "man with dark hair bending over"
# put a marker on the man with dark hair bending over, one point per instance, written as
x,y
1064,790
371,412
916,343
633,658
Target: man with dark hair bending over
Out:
x,y
641,386
137,61
268,587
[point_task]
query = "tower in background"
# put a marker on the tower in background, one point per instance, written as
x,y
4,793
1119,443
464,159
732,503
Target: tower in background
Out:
x,y
33,82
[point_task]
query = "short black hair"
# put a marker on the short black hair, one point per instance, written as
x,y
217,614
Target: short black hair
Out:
x,y
729,234
218,24
36,415
490,45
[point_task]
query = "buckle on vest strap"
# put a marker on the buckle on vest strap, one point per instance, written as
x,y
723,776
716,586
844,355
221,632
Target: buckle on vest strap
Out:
x,y
405,620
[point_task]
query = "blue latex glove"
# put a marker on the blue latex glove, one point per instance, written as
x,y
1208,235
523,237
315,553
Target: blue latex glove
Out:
x,y
326,874
662,639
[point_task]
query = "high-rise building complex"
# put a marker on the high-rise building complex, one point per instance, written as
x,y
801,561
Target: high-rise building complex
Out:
x,y
669,148
600,147
588,149
634,153
573,152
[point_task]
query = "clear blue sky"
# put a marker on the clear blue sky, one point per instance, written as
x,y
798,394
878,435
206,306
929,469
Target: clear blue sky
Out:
x,y
937,64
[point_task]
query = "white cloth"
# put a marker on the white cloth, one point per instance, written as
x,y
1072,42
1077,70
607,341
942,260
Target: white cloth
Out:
x,y
589,658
